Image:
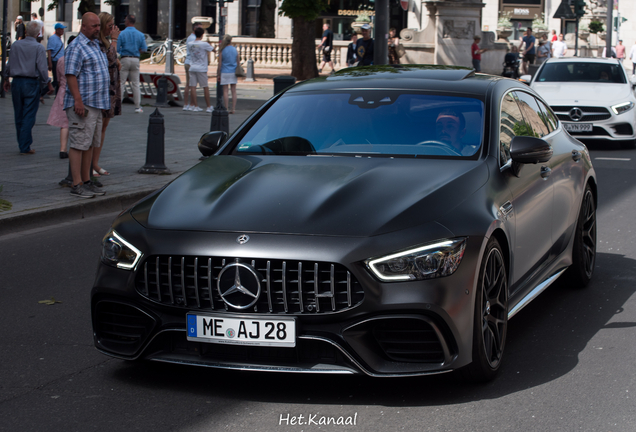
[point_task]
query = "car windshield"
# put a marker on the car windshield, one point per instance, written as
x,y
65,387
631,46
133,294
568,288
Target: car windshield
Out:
x,y
582,72
368,122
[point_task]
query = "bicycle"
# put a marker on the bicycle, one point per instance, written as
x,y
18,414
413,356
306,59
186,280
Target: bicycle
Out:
x,y
178,50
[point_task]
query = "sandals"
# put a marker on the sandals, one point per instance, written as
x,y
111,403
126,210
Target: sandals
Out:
x,y
100,173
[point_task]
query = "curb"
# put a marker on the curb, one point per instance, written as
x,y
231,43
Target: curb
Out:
x,y
93,207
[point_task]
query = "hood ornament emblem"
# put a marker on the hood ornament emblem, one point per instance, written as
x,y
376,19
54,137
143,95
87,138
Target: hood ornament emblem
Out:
x,y
242,239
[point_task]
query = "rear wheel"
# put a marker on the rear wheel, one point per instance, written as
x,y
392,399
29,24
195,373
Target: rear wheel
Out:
x,y
158,54
491,316
180,55
584,249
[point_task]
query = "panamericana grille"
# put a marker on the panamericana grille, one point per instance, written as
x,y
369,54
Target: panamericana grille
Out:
x,y
121,328
291,287
409,340
589,113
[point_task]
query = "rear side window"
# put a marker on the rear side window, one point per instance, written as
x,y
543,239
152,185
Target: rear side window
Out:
x,y
532,114
548,116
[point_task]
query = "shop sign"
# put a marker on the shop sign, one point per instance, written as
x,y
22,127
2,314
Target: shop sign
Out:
x,y
345,12
521,11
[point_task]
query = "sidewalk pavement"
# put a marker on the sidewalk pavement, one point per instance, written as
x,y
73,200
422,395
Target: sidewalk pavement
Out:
x,y
30,182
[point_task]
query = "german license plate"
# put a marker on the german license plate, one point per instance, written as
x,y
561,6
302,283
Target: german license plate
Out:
x,y
241,330
578,127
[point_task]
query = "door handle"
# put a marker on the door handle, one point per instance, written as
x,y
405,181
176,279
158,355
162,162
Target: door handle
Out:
x,y
545,172
576,155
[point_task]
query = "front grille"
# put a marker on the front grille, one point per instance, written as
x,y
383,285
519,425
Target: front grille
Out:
x,y
590,114
290,287
121,328
409,340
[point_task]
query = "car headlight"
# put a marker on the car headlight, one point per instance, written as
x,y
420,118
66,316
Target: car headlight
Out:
x,y
117,252
621,108
423,262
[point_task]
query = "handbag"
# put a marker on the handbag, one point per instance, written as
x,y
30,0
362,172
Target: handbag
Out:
x,y
240,72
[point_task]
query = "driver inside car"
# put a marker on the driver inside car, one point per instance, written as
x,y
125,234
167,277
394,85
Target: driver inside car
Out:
x,y
450,128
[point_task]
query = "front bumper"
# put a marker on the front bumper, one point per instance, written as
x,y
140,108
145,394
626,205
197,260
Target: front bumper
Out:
x,y
393,329
605,124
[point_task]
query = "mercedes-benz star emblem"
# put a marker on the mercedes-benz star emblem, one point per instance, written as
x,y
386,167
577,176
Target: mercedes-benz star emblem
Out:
x,y
239,285
576,114
242,239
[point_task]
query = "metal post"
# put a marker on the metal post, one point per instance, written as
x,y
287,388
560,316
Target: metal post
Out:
x,y
610,28
220,119
576,37
155,146
380,45
169,54
249,75
5,7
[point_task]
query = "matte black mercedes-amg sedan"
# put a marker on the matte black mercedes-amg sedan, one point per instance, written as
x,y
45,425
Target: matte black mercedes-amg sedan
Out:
x,y
384,220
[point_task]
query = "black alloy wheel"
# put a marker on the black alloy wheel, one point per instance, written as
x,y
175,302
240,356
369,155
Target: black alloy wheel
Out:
x,y
491,316
584,249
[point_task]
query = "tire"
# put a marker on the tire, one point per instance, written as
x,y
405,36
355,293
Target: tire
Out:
x,y
158,54
490,323
180,55
584,249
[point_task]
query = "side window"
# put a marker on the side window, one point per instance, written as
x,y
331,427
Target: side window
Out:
x,y
511,125
548,117
533,114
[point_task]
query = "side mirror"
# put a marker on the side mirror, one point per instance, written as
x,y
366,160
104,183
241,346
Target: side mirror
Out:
x,y
525,79
211,142
527,150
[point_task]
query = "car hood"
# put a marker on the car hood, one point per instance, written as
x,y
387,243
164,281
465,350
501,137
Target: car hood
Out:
x,y
337,196
584,94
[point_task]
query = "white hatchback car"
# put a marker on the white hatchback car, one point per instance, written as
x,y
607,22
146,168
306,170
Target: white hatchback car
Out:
x,y
593,97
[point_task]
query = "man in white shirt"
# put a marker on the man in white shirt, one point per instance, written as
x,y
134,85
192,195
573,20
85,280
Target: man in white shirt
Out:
x,y
34,17
632,57
559,48
199,52
186,65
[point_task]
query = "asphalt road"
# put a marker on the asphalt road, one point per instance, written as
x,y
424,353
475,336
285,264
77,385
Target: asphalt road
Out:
x,y
569,363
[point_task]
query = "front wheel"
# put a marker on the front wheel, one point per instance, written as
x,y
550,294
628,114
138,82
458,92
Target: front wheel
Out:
x,y
180,55
584,248
490,323
158,54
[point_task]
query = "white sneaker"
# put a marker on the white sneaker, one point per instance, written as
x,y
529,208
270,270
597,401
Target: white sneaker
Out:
x,y
210,109
196,109
186,108
139,110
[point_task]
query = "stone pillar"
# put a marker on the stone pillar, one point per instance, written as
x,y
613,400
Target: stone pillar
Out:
x,y
138,9
456,22
162,17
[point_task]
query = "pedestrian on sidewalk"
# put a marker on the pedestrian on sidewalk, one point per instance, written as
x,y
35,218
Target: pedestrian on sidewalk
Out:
x,y
364,46
476,53
20,29
186,65
34,17
632,57
393,45
28,67
529,52
351,51
327,47
226,72
131,44
55,51
87,79
108,31
199,54
57,116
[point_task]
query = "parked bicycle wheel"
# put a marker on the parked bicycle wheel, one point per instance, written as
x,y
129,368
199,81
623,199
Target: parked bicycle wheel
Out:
x,y
180,55
158,54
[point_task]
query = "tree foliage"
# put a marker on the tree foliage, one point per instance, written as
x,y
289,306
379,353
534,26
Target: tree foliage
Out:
x,y
304,14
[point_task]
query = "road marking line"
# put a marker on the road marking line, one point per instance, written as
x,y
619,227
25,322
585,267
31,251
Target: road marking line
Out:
x,y
613,159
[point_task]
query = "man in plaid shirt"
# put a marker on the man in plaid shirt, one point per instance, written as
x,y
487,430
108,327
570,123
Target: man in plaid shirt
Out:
x,y
87,93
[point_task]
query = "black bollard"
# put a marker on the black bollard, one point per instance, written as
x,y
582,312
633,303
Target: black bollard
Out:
x,y
220,119
282,82
155,147
162,92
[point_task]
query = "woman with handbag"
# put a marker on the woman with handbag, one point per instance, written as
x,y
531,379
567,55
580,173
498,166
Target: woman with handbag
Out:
x,y
226,71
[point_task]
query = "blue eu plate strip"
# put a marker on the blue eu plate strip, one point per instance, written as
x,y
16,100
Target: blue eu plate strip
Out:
x,y
192,325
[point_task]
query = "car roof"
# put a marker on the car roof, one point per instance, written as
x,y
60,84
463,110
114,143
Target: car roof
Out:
x,y
451,79
583,60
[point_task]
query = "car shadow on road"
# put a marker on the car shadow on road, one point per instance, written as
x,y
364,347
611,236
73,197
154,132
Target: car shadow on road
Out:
x,y
544,342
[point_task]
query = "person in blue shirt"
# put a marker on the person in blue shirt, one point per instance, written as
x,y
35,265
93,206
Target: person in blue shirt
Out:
x,y
364,46
55,51
130,45
529,52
